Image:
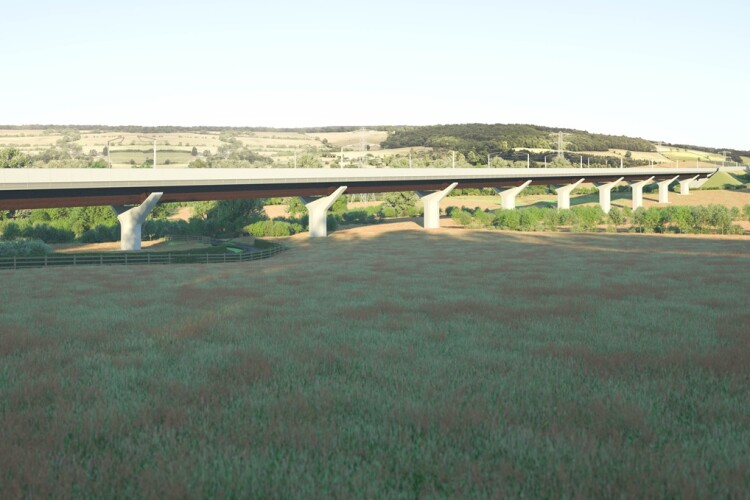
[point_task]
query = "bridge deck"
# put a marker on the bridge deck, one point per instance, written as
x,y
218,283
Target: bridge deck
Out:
x,y
46,188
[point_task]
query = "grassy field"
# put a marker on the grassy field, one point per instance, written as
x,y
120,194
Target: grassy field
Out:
x,y
688,154
636,155
400,363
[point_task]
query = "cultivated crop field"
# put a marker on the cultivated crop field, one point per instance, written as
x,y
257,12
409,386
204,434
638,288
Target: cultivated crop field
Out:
x,y
386,362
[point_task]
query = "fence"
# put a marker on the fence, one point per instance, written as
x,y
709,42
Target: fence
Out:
x,y
145,258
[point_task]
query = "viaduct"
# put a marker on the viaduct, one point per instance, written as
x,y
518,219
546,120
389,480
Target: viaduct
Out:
x,y
133,193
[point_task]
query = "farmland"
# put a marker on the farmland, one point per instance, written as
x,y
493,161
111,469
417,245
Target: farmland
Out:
x,y
128,149
386,361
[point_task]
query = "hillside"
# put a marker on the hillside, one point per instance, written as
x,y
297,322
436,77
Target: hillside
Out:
x,y
483,138
392,146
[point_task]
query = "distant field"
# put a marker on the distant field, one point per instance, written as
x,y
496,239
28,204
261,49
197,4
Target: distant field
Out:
x,y
175,157
691,155
339,139
386,362
636,155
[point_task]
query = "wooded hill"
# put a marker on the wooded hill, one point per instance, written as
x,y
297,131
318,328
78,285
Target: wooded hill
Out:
x,y
483,138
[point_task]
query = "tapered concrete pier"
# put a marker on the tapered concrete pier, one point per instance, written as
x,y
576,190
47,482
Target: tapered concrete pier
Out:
x,y
685,185
508,196
563,194
317,212
605,194
637,188
431,202
664,189
131,221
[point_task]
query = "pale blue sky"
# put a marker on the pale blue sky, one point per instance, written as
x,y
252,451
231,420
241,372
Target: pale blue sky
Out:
x,y
665,70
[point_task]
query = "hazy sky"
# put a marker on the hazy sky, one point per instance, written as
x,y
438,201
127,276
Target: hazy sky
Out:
x,y
664,70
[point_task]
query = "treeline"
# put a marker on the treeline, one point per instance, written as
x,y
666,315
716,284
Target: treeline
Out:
x,y
99,224
583,141
484,138
675,219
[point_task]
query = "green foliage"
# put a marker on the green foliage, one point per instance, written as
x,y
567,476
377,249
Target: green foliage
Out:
x,y
682,219
616,216
400,204
340,205
14,158
273,228
229,217
461,216
369,215
560,162
11,231
482,139
69,135
23,248
587,218
295,206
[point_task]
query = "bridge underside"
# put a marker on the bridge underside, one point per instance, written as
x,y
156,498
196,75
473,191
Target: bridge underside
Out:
x,y
77,197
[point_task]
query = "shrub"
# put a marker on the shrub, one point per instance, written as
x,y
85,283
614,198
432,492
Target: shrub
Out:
x,y
461,216
11,231
720,218
23,248
387,212
485,219
507,219
272,228
47,233
530,218
100,234
616,216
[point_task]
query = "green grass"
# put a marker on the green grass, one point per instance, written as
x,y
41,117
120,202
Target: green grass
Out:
x,y
140,157
469,364
720,180
691,155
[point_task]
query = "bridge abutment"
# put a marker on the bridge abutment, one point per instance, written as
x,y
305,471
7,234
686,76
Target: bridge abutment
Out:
x,y
563,194
131,221
317,211
508,196
431,202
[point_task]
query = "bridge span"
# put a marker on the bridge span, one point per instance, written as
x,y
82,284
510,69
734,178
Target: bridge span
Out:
x,y
134,192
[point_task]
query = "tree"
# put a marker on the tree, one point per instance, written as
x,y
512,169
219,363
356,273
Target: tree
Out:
x,y
402,203
198,164
295,206
230,216
194,151
14,158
